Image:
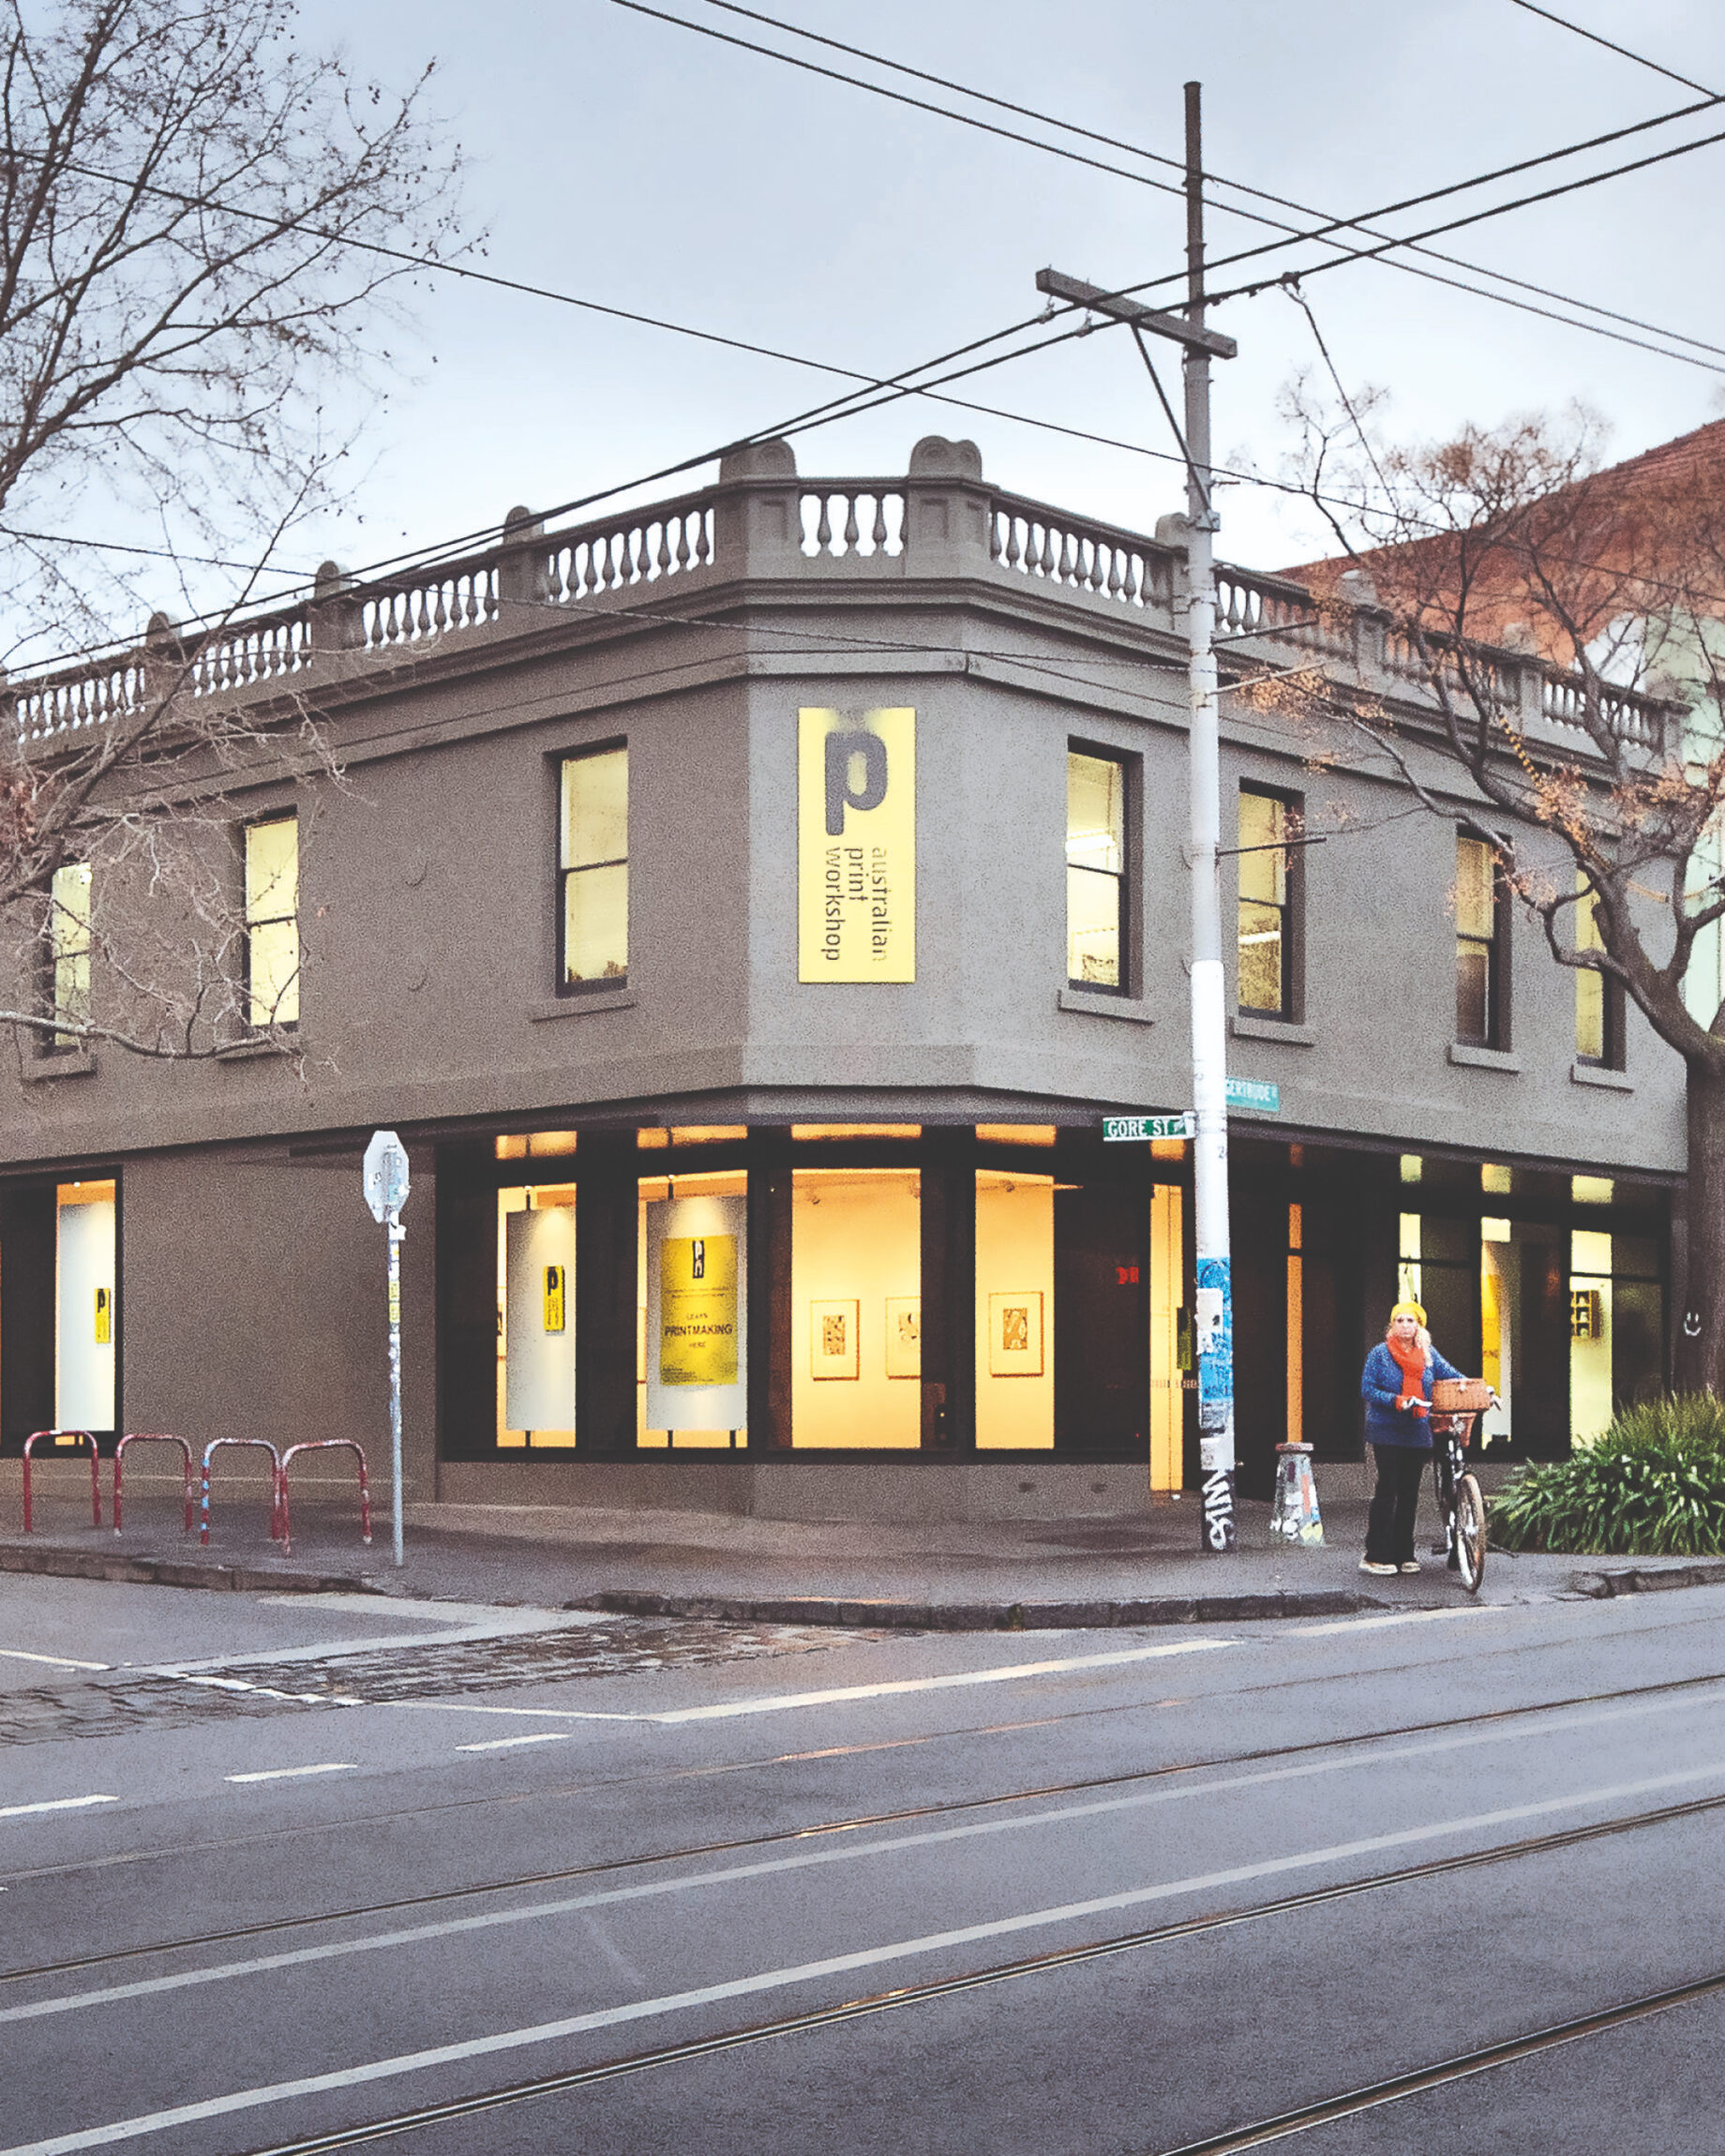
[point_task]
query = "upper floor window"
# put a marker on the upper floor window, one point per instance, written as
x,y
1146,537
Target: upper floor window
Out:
x,y
1269,896
593,870
1095,871
70,941
1481,999
271,921
1598,998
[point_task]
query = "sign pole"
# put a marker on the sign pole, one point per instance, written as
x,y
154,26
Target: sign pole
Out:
x,y
396,1233
384,1180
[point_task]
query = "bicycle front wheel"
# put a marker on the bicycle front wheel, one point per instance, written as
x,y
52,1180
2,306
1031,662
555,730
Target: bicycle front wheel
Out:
x,y
1470,1533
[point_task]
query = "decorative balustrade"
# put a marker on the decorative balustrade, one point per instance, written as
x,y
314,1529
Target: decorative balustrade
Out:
x,y
826,526
852,518
1054,548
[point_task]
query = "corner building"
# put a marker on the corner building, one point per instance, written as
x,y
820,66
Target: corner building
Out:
x,y
747,909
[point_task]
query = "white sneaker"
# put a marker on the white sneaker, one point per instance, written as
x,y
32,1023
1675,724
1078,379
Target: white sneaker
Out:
x,y
1383,1571
1411,1565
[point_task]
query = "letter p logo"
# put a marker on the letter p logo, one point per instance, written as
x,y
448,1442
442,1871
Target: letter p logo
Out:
x,y
841,749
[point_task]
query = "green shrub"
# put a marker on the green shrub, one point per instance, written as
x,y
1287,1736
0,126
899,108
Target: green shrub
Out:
x,y
1651,1486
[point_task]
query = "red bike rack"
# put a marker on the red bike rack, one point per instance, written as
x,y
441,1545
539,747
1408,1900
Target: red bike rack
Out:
x,y
323,1444
262,1444
151,1437
59,1436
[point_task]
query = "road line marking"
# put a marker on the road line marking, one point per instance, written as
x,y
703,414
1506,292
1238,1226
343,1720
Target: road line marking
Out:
x,y
780,1703
501,1624
53,1661
1399,1617
509,1743
833,1850
288,1773
53,1804
834,1964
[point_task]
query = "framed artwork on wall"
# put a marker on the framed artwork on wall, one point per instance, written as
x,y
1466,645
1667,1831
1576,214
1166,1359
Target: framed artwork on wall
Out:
x,y
904,1336
1015,1334
834,1349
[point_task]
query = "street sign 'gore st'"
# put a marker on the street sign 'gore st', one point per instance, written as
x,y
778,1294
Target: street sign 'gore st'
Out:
x,y
1258,1093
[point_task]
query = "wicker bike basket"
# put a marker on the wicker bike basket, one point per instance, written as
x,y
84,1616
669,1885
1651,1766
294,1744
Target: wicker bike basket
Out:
x,y
1460,1395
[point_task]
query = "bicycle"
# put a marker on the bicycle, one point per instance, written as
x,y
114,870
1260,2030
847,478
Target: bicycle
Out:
x,y
1457,1404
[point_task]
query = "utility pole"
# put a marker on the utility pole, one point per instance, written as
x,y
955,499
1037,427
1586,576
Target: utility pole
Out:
x,y
1209,1025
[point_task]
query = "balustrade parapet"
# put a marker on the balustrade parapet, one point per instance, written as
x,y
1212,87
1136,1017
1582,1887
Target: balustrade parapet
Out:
x,y
761,520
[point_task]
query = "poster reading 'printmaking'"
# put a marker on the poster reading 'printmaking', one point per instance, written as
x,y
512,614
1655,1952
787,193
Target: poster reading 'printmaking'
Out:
x,y
856,846
698,1348
697,1310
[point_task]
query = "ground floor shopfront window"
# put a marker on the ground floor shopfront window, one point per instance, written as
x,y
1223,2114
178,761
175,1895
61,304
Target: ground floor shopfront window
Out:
x,y
821,1290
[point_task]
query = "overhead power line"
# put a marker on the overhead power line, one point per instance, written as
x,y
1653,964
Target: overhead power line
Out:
x,y
1623,52
1325,233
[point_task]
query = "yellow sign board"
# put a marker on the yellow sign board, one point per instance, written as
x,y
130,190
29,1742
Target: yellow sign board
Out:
x,y
697,1310
856,846
104,1318
553,1298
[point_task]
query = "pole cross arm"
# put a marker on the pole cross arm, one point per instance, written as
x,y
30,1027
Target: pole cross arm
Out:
x,y
1100,301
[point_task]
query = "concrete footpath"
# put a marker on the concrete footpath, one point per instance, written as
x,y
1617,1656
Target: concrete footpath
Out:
x,y
1142,1569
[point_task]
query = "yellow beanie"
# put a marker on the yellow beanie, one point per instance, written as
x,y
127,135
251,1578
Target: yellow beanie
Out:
x,y
1408,1310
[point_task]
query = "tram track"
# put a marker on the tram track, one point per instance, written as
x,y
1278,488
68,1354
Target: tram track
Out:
x,y
820,1830
1363,2098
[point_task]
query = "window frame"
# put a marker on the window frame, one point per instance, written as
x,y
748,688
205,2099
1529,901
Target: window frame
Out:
x,y
1612,1011
601,985
1292,909
1496,946
53,955
296,980
1128,987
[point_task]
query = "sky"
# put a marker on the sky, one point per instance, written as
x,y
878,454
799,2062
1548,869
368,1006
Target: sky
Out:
x,y
623,159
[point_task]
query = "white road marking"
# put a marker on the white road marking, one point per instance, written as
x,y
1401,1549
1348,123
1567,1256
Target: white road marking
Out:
x,y
835,1849
53,1661
509,1743
769,1980
289,1774
53,1804
1399,1617
780,1703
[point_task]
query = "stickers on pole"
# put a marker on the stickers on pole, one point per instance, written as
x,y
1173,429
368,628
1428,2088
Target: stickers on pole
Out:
x,y
856,846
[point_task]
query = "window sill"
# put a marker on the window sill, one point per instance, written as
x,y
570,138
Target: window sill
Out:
x,y
64,1063
1244,1027
1598,1074
1100,1005
248,1051
582,1006
1483,1059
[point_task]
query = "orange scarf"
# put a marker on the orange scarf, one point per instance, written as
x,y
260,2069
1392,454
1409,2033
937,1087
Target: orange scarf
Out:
x,y
1412,1358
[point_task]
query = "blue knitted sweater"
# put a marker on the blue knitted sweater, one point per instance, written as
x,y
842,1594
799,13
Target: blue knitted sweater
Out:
x,y
1380,1388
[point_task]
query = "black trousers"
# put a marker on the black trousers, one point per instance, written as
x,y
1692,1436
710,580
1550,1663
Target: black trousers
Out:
x,y
1389,1525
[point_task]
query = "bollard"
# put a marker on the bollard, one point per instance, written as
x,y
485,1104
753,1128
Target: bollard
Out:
x,y
1295,1514
60,1436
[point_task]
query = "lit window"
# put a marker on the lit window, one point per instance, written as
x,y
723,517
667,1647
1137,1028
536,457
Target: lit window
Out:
x,y
1479,925
1266,904
593,861
271,921
1598,998
69,945
1095,871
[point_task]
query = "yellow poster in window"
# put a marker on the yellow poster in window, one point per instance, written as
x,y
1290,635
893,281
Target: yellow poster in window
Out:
x,y
697,1310
856,846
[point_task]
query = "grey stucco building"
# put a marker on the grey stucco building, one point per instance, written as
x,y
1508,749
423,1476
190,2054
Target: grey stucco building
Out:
x,y
747,908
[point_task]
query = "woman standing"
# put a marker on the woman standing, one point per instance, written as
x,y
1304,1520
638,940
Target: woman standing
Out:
x,y
1396,1386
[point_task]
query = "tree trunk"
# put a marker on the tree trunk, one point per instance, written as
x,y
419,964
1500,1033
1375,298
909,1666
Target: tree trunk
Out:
x,y
1698,1364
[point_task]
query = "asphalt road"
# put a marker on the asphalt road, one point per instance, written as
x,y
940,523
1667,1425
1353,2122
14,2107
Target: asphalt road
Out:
x,y
290,1873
